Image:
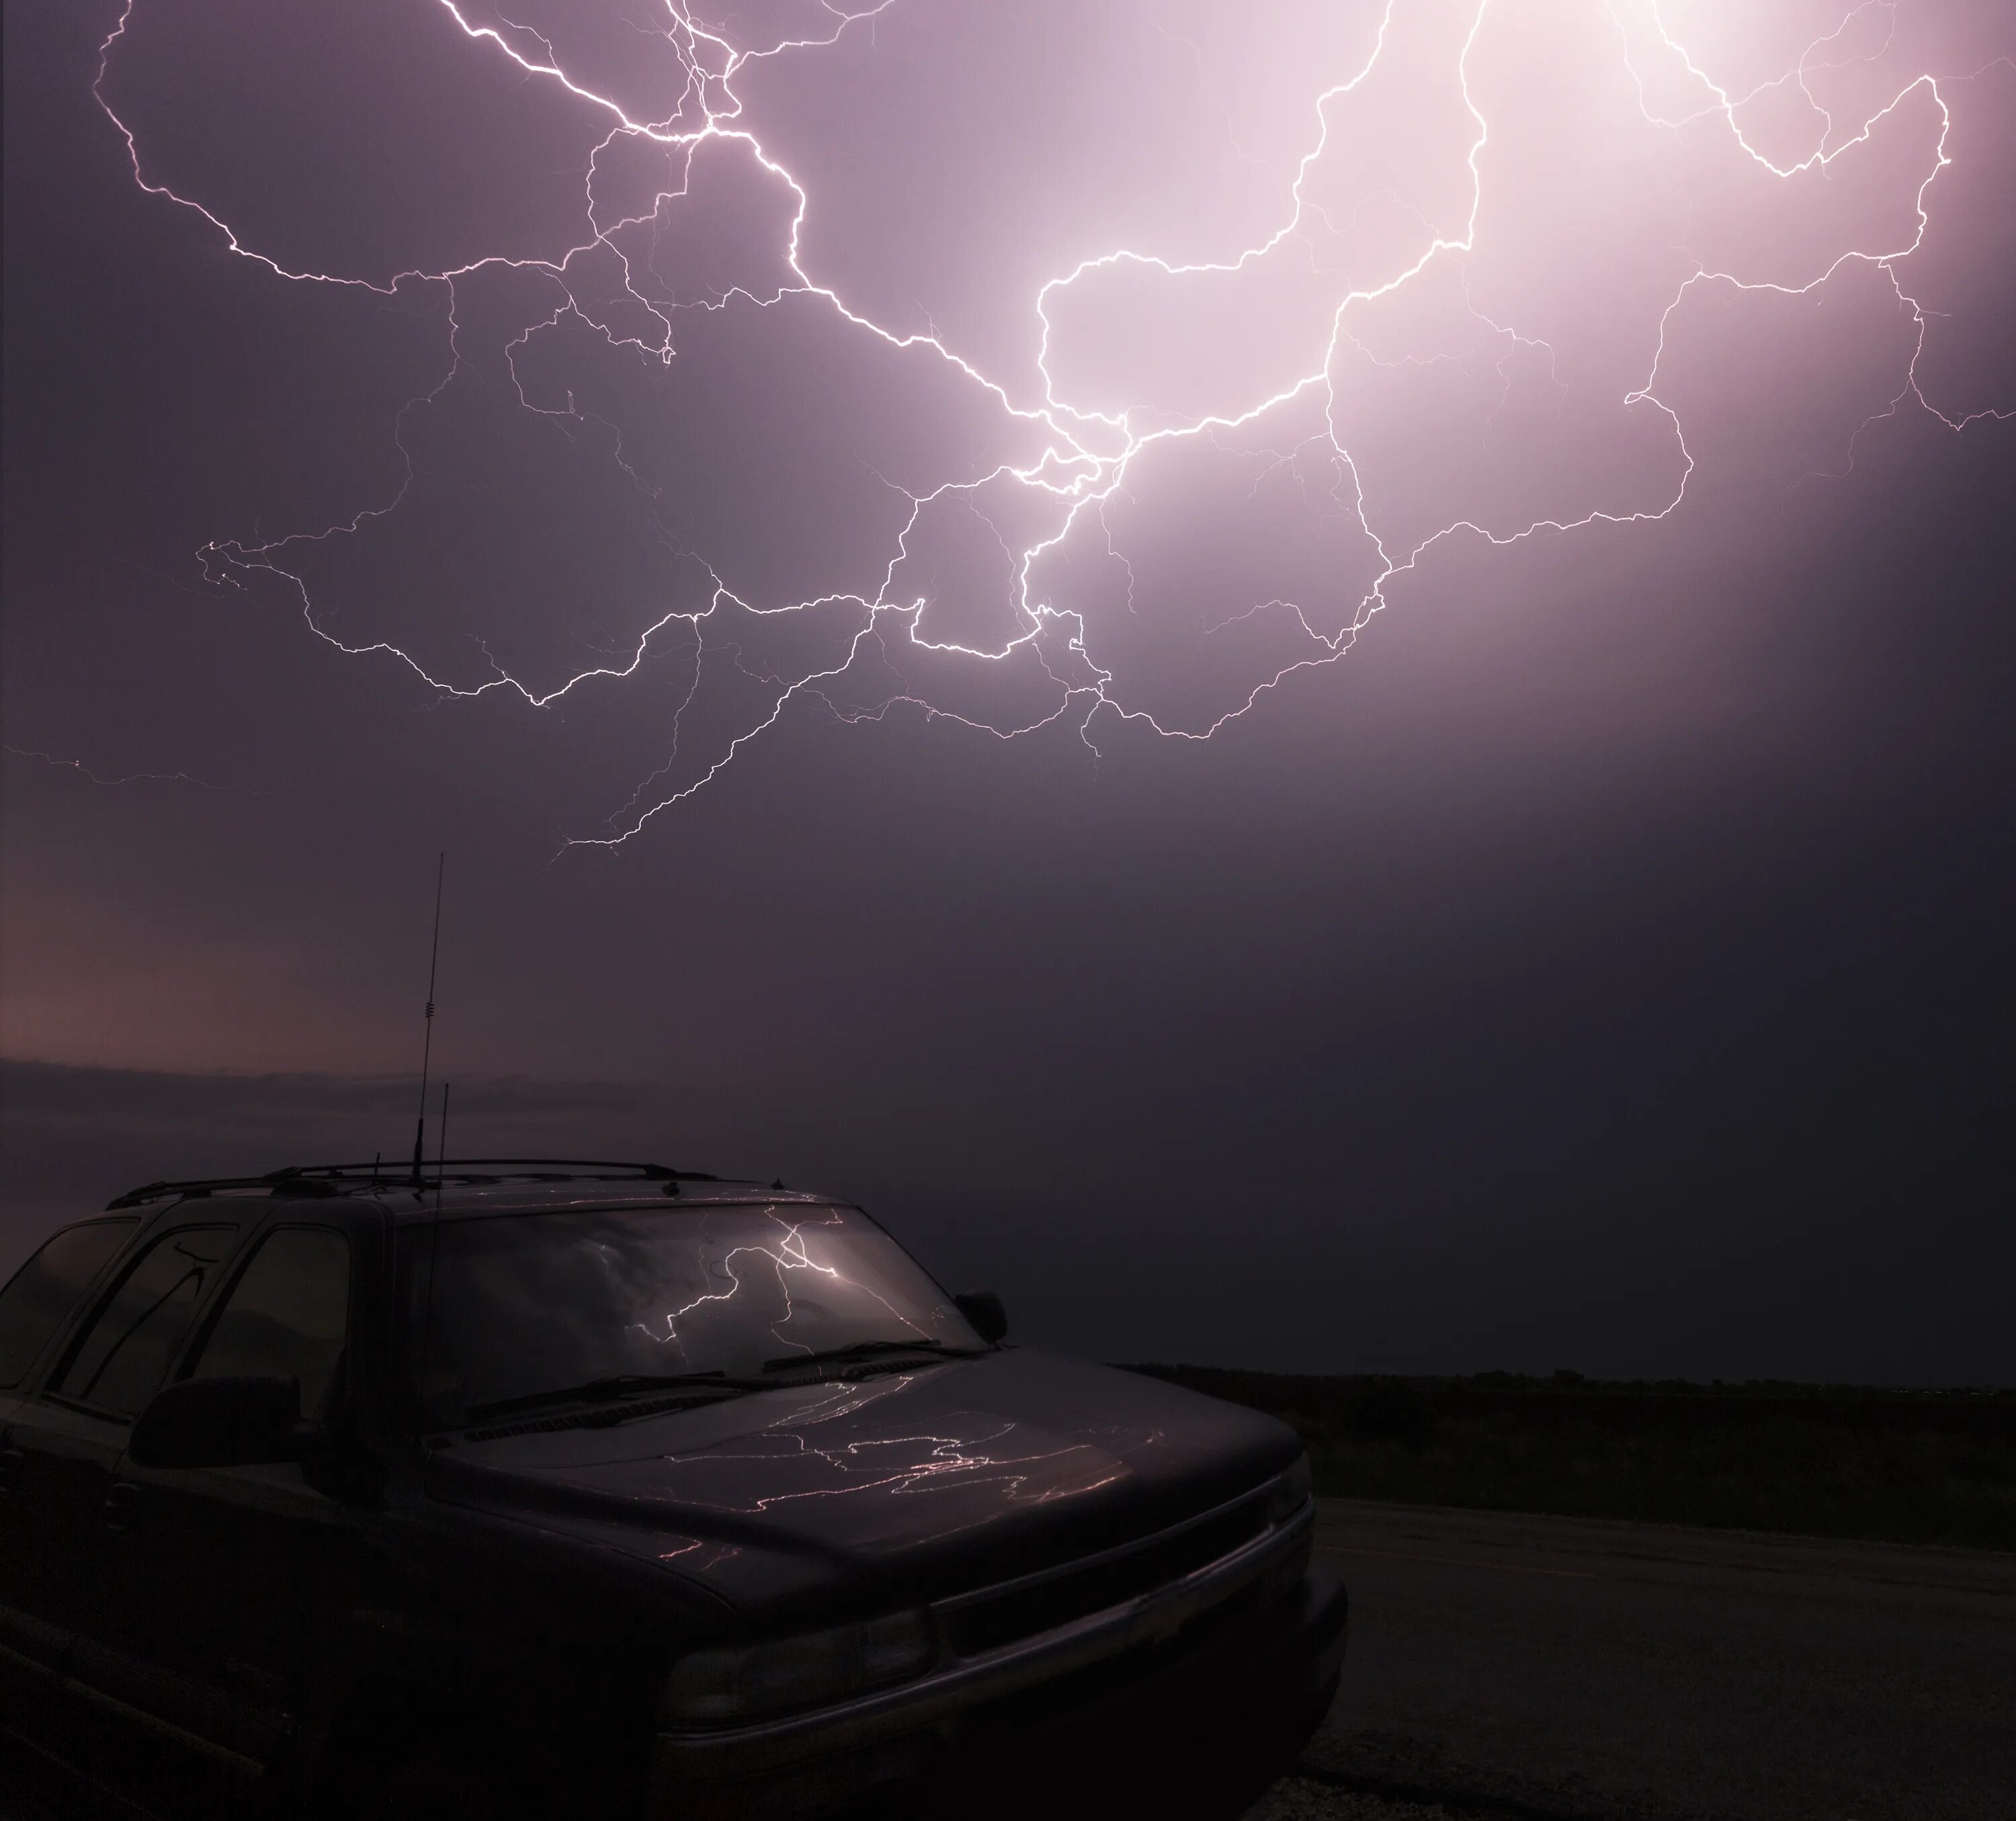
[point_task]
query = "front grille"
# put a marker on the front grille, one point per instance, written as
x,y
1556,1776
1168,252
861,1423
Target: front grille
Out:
x,y
991,1621
1070,1694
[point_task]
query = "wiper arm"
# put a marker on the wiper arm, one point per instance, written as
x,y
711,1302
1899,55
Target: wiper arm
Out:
x,y
603,1391
862,1350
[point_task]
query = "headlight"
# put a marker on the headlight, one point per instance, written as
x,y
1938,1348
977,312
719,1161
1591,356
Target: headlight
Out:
x,y
1290,1493
718,1688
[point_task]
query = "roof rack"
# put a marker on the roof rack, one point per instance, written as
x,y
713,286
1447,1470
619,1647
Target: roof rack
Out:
x,y
313,1179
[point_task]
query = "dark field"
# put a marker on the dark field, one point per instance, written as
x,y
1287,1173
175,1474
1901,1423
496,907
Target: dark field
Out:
x,y
1815,1460
1505,1666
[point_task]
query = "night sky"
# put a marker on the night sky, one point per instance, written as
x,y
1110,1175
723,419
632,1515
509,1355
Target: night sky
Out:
x,y
1586,945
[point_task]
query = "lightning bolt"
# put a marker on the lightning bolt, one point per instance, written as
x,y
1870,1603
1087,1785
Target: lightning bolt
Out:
x,y
789,1254
84,771
906,1461
1085,449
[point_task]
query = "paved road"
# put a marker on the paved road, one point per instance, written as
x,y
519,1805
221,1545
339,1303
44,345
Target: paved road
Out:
x,y
1513,1666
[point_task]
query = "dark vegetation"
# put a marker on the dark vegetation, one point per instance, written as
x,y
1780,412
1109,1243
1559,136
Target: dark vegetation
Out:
x,y
1823,1460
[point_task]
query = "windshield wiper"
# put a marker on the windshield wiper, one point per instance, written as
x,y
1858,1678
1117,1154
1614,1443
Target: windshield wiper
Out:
x,y
605,1391
864,1350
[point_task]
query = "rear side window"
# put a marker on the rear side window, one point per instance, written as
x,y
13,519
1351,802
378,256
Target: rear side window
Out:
x,y
287,1314
126,1351
46,1289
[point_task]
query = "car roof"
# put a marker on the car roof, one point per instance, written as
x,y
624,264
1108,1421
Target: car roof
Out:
x,y
469,1187
406,1205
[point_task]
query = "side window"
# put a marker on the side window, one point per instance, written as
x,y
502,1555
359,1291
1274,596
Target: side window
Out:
x,y
46,1289
287,1314
125,1353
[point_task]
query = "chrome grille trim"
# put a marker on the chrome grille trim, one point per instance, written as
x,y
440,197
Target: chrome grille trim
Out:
x,y
958,1685
975,1624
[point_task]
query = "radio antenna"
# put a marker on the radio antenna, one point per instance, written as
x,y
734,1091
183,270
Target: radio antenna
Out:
x,y
440,1162
434,1240
427,1042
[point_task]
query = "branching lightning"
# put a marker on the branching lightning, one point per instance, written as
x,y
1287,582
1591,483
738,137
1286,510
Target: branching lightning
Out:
x,y
84,771
789,1254
900,1460
1087,451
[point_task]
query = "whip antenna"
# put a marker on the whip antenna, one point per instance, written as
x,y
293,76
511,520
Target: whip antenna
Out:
x,y
441,1169
434,1235
427,1042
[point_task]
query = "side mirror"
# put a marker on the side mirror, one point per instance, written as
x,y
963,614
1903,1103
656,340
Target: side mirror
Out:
x,y
982,1307
222,1423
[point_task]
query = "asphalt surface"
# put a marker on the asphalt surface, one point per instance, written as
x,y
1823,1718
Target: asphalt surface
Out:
x,y
1537,1668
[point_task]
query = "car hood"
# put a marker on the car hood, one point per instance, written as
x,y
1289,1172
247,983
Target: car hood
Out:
x,y
903,1486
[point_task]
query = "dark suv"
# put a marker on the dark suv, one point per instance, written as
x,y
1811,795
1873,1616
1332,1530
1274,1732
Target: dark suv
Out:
x,y
593,1489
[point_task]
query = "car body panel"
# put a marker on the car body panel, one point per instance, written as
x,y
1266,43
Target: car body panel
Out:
x,y
912,1484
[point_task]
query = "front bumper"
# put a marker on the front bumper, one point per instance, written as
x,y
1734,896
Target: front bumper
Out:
x,y
1247,1639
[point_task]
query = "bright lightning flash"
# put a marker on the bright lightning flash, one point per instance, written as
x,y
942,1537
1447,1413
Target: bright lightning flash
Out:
x,y
1268,362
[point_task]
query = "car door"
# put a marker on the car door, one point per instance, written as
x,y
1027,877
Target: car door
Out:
x,y
35,1306
214,1602
71,1433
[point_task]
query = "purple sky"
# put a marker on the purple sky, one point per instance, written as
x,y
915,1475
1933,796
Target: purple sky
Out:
x,y
783,500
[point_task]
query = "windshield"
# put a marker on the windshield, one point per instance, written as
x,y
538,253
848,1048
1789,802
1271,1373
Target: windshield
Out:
x,y
523,1305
